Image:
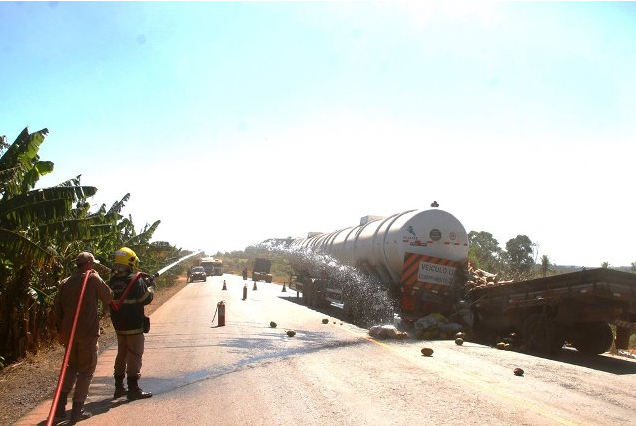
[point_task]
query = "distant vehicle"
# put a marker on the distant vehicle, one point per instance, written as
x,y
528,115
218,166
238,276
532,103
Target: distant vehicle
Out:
x,y
197,273
261,270
218,267
212,266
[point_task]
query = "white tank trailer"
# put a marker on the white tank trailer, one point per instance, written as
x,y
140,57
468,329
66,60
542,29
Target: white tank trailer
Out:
x,y
415,254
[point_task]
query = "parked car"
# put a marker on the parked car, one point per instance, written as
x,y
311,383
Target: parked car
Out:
x,y
197,273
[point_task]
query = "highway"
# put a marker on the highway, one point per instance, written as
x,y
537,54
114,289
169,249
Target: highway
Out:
x,y
248,373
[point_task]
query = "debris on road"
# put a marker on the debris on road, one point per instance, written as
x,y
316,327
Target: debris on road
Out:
x,y
518,371
291,333
459,341
435,326
387,332
501,346
325,320
427,351
273,324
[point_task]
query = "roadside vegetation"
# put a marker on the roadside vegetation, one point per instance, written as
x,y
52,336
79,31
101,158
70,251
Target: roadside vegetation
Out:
x,y
518,261
41,232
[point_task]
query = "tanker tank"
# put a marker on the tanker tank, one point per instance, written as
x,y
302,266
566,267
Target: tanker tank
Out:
x,y
378,246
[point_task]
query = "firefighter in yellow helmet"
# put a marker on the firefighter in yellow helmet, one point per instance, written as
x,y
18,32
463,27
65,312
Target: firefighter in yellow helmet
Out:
x,y
131,292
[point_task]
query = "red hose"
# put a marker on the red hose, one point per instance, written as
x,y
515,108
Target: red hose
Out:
x,y
67,354
117,305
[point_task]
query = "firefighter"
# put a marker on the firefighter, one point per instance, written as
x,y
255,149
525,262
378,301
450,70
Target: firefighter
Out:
x,y
129,322
83,356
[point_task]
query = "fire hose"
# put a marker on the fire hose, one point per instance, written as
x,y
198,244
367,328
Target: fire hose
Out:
x,y
69,347
71,337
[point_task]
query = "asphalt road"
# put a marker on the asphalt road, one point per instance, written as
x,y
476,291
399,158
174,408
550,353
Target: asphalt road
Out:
x,y
247,373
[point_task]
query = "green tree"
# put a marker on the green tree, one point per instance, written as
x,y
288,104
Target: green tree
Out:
x,y
605,265
519,257
484,251
633,266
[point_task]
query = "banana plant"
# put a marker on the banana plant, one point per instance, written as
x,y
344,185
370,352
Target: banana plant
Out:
x,y
29,242
42,230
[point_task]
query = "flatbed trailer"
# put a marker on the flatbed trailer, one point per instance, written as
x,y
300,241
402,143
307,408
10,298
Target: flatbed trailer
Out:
x,y
577,307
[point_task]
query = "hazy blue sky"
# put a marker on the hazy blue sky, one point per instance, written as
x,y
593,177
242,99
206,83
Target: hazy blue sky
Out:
x,y
236,122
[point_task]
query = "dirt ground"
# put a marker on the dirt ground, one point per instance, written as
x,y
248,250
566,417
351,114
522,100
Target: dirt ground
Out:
x,y
25,384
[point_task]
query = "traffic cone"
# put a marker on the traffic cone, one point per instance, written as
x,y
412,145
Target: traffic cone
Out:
x,y
224,286
254,288
284,289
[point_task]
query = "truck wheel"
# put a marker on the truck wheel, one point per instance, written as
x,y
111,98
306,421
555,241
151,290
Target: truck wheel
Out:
x,y
592,338
542,334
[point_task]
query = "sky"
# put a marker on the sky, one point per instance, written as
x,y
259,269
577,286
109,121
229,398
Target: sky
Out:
x,y
237,122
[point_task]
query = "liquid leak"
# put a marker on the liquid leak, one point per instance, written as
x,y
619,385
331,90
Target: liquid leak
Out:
x,y
365,297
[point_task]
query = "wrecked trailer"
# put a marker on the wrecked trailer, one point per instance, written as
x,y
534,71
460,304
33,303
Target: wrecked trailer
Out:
x,y
544,313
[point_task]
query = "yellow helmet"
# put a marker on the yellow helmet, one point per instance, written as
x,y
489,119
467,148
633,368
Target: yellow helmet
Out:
x,y
126,257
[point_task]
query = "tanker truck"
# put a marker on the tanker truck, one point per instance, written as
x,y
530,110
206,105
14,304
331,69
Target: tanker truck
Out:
x,y
414,255
419,257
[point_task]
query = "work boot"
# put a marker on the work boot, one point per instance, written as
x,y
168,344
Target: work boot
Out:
x,y
78,413
120,390
60,410
134,391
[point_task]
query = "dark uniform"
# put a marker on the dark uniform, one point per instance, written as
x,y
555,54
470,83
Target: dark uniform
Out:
x,y
128,322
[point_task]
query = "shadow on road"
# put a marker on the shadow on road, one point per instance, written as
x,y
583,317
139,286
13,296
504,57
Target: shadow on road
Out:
x,y
95,408
596,362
